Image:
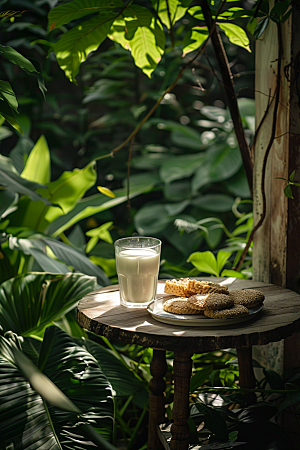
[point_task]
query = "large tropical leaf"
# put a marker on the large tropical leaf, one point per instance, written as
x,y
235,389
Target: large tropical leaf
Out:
x,y
169,11
122,379
28,418
75,45
143,35
37,166
16,58
30,302
79,8
20,185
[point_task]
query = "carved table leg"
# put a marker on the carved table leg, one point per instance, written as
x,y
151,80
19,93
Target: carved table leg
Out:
x,y
247,378
181,410
158,369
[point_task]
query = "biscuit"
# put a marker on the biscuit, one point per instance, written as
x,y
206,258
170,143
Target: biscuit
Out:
x,y
178,306
229,313
203,287
210,301
177,287
247,297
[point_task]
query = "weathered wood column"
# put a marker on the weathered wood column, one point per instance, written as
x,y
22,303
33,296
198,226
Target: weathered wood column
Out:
x,y
276,250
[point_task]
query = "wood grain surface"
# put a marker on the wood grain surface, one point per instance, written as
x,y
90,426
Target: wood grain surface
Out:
x,y
101,313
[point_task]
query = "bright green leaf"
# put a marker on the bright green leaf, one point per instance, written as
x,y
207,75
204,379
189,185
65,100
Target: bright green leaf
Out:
x,y
236,35
170,10
233,273
8,94
16,58
79,8
204,262
106,191
222,258
37,166
75,45
288,191
194,38
7,112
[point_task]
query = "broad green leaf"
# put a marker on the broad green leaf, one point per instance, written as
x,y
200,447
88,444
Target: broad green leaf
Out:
x,y
74,258
214,202
37,167
69,188
204,262
27,422
193,39
170,11
117,33
94,204
75,45
288,191
7,198
222,258
79,8
7,112
200,377
146,38
236,35
16,58
22,186
123,380
214,421
233,273
107,265
238,185
151,220
196,12
8,94
179,167
32,301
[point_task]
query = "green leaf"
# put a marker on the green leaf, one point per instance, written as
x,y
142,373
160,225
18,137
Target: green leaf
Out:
x,y
37,167
94,204
32,301
179,167
200,377
7,112
204,262
16,58
196,12
8,94
292,176
175,8
123,380
74,258
251,25
75,45
22,186
145,36
79,8
7,198
214,202
99,233
288,191
213,421
194,38
260,27
106,191
27,422
233,273
144,223
236,35
222,258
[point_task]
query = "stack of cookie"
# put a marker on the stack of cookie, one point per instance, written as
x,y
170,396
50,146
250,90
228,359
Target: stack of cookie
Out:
x,y
211,299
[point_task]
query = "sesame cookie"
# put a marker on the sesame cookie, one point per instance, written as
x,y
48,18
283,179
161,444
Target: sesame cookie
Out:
x,y
204,287
229,313
178,306
210,301
247,297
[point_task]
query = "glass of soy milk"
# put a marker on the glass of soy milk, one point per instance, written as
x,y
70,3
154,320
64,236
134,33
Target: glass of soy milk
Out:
x,y
137,260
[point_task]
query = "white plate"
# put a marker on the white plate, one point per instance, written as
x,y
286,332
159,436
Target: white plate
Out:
x,y
193,320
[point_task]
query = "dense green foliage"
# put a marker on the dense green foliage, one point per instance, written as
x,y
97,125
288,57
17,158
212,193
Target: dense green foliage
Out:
x,y
69,188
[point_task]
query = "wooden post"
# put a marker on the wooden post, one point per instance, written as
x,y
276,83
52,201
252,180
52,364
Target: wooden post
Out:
x,y
276,249
246,378
181,410
158,369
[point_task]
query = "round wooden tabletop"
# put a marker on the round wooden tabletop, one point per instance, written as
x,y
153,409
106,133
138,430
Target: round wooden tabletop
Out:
x,y
101,313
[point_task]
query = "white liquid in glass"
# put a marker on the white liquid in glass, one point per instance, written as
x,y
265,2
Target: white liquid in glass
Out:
x,y
138,272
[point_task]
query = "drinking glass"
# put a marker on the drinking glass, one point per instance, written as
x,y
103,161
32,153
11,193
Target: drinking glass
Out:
x,y
137,260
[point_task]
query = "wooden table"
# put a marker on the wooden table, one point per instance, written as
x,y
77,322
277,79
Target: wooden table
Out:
x,y
101,313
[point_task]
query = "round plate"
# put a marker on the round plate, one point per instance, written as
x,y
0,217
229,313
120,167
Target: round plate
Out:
x,y
193,320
